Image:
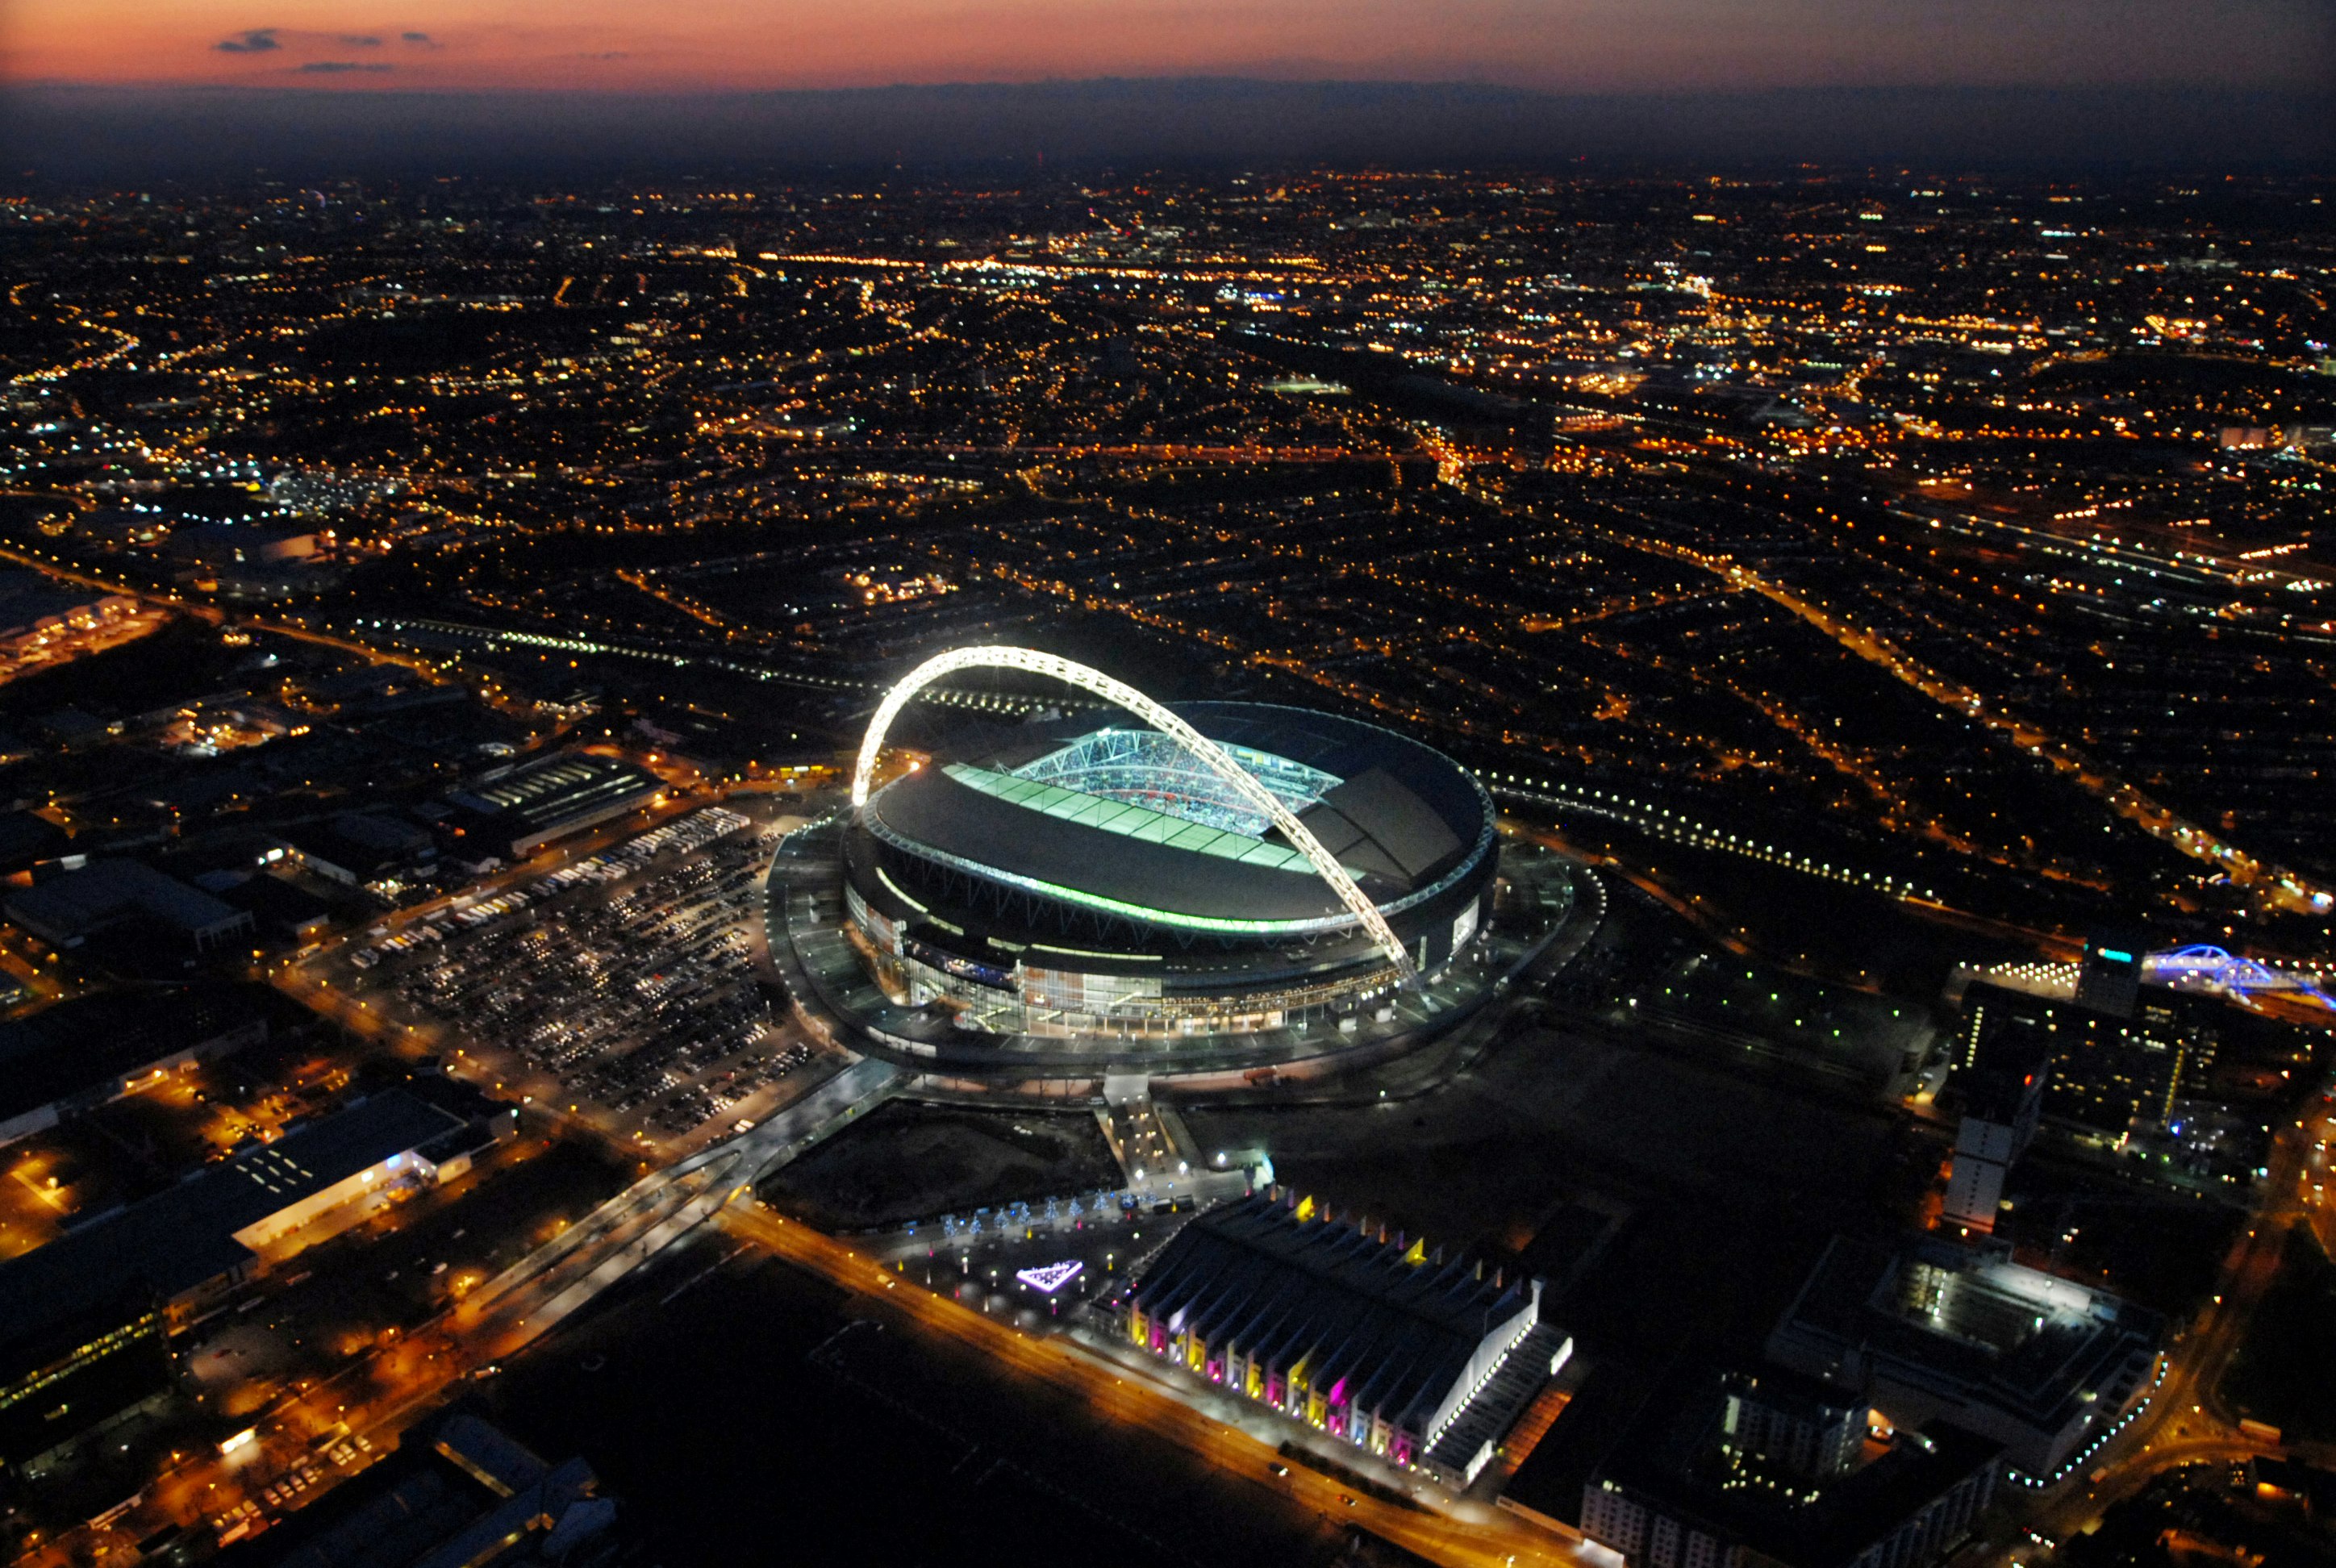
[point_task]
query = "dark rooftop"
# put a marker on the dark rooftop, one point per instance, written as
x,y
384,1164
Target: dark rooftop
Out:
x,y
1967,1323
76,1046
185,1236
1674,1452
1398,1330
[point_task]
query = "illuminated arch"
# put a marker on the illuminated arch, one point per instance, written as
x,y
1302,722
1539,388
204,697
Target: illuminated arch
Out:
x,y
1122,695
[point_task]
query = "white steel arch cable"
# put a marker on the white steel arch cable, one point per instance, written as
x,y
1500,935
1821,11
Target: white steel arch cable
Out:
x,y
1120,693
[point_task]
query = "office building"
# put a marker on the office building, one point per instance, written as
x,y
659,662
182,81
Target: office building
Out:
x,y
2110,979
2107,1074
1802,1428
1770,1470
1927,1330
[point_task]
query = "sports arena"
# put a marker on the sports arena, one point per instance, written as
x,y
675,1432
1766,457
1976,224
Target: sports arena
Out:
x,y
1142,880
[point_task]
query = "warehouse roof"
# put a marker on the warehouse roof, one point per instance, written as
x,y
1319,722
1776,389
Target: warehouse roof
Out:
x,y
527,805
76,1046
185,1236
68,908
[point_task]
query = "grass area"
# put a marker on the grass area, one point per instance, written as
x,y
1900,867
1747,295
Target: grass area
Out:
x,y
2285,1371
909,1161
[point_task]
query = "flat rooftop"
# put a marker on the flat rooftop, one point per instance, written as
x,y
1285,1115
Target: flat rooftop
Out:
x,y
183,1237
1964,1323
75,1046
551,792
70,908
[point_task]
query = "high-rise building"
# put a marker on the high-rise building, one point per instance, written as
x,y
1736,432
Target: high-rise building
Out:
x,y
2109,980
2108,1072
2001,1104
1801,1427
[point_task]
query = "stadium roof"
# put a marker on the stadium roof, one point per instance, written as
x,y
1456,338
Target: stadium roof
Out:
x,y
1140,823
1402,817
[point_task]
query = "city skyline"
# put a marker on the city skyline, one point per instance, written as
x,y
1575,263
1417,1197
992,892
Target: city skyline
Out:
x,y
1519,785
202,89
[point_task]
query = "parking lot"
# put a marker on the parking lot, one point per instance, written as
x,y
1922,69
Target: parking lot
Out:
x,y
620,986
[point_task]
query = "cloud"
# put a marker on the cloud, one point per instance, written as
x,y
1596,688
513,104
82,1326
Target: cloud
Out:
x,y
338,67
253,41
608,54
422,38
358,41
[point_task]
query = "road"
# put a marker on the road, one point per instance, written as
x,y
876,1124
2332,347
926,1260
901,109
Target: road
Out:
x,y
401,1381
2186,1421
1470,1535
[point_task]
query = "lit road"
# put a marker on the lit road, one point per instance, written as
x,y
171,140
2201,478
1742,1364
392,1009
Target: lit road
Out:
x,y
1473,1535
2187,1422
533,1297
404,1379
2278,887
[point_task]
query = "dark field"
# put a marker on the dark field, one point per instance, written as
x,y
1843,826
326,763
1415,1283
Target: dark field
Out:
x,y
915,1162
751,1415
1728,1182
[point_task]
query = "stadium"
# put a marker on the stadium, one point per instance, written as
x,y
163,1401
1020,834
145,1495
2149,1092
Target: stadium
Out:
x,y
1218,881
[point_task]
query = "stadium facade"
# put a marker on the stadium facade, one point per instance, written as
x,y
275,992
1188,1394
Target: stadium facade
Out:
x,y
1219,871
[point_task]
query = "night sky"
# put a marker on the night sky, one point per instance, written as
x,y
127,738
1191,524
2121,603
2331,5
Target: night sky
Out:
x,y
2153,81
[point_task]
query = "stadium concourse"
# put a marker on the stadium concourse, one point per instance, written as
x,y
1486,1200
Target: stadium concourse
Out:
x,y
1226,886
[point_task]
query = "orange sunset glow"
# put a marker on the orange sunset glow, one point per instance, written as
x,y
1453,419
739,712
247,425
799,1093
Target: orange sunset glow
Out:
x,y
1593,45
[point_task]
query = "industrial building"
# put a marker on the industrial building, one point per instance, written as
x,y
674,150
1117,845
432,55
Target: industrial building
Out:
x,y
513,811
84,1319
1423,1362
109,896
35,606
84,1051
358,848
462,1493
1930,1330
